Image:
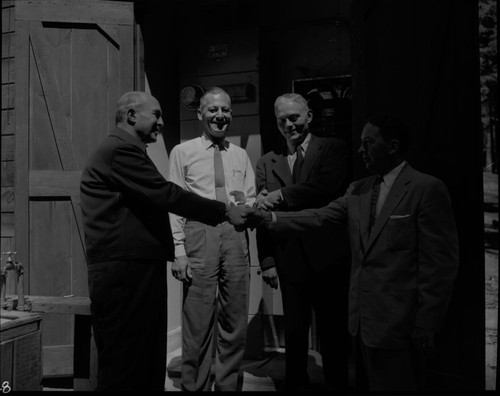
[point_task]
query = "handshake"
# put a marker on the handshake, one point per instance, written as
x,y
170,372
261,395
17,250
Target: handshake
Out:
x,y
244,216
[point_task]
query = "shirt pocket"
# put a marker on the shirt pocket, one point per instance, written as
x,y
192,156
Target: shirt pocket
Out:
x,y
238,179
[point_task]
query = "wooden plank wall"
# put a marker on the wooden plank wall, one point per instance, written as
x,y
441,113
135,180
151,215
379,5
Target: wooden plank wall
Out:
x,y
8,130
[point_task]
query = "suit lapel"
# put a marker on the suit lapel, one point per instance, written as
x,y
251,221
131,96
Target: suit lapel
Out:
x,y
281,169
396,194
310,158
364,211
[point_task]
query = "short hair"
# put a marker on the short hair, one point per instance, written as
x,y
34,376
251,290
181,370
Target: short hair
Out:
x,y
294,97
392,127
129,100
212,91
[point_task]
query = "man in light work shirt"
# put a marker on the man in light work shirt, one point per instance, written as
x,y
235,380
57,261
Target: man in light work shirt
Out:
x,y
212,261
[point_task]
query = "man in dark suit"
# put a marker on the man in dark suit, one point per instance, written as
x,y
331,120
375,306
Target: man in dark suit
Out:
x,y
312,270
404,255
125,203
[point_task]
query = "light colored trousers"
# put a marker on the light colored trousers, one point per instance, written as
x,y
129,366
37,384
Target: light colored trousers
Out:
x,y
218,290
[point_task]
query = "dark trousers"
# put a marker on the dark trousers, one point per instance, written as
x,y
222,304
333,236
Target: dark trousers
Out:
x,y
326,293
129,318
393,369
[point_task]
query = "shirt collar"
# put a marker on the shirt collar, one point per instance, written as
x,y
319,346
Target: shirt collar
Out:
x,y
389,177
306,142
207,143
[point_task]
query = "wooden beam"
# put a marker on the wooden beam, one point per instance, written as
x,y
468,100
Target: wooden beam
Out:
x,y
81,11
8,199
8,45
54,183
8,70
8,146
58,305
7,222
7,173
22,144
8,96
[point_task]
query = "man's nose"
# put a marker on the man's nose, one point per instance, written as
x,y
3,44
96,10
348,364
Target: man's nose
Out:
x,y
160,122
361,149
288,123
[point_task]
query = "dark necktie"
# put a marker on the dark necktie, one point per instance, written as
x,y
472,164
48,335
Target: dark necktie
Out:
x,y
220,187
375,194
299,159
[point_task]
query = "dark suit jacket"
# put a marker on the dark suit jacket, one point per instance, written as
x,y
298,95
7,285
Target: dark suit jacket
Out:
x,y
323,178
125,203
402,273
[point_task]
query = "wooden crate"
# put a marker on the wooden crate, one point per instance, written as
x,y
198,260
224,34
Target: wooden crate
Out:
x,y
21,350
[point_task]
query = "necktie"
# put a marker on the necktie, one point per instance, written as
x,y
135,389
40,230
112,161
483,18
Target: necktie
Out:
x,y
220,188
299,159
375,194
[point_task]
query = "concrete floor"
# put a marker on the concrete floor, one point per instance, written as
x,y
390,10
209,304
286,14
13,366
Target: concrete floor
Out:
x,y
258,375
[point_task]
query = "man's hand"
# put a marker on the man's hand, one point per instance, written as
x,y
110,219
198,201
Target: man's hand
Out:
x,y
423,341
239,197
270,276
268,200
237,216
244,216
181,269
256,218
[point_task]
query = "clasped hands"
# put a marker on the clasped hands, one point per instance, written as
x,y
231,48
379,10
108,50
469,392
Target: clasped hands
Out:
x,y
245,216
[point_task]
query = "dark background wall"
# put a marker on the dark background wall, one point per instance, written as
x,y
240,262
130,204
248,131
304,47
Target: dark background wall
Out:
x,y
419,59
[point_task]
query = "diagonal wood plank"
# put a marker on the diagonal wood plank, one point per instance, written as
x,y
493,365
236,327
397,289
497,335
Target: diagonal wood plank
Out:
x,y
52,96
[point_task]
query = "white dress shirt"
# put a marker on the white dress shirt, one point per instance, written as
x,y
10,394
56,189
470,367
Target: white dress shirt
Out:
x,y
386,184
191,166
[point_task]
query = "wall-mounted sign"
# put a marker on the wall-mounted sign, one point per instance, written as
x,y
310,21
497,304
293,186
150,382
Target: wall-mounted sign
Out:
x,y
217,51
240,93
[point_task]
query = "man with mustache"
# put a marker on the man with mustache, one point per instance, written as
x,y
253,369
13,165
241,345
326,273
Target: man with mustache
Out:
x,y
125,203
212,261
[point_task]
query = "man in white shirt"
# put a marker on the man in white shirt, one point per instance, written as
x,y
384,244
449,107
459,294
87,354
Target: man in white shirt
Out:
x,y
212,261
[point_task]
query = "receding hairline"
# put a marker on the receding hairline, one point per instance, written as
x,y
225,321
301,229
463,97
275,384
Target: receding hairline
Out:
x,y
132,99
213,91
291,97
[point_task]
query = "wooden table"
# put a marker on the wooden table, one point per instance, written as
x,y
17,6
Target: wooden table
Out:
x,y
20,351
85,351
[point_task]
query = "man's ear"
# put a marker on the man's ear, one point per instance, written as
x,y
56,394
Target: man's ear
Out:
x,y
309,116
394,146
131,116
198,112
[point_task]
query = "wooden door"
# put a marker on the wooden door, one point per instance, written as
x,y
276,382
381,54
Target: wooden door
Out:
x,y
73,61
